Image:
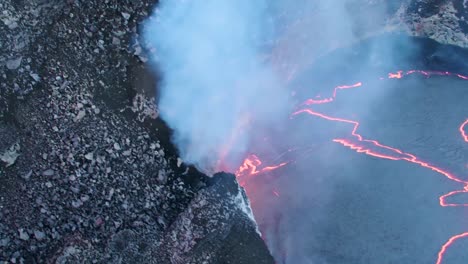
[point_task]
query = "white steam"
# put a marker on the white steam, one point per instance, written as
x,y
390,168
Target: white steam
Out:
x,y
217,84
225,67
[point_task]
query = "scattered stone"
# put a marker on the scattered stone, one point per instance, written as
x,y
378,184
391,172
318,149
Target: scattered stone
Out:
x,y
35,77
4,242
84,198
27,176
11,154
48,172
39,235
77,203
98,222
14,63
125,15
13,25
89,156
115,41
23,235
80,115
117,146
111,193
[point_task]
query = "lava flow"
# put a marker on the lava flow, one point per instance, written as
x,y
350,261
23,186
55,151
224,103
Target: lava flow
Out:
x,y
357,142
463,130
401,74
252,166
330,99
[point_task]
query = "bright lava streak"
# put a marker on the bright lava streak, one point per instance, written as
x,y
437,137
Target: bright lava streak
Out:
x,y
463,129
401,74
447,245
330,99
251,166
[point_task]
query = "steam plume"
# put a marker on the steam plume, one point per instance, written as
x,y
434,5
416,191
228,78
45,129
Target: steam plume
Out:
x,y
217,83
225,66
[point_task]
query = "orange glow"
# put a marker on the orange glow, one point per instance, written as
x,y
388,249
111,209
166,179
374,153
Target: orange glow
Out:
x,y
463,130
442,251
252,166
401,74
330,99
397,75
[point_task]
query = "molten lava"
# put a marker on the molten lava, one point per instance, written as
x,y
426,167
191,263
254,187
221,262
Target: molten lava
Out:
x,y
401,74
254,166
447,245
330,99
463,128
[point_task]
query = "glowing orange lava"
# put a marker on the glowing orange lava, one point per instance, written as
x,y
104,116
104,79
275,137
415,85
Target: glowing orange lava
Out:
x,y
252,166
357,142
330,99
447,245
463,130
397,75
401,74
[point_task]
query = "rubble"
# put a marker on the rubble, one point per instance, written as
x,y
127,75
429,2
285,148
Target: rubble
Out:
x,y
10,155
87,170
443,21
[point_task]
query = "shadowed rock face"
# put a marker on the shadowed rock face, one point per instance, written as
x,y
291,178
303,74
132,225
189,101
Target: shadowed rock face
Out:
x,y
216,227
444,21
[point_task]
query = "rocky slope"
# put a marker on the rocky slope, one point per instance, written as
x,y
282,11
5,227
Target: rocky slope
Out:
x,y
444,21
87,173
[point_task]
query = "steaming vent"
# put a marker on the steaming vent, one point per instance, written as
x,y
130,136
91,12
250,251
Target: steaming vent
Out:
x,y
326,116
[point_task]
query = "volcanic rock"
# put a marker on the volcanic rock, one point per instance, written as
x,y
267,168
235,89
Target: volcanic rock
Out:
x,y
216,227
443,21
87,170
13,64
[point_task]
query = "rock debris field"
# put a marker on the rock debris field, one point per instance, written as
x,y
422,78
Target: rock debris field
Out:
x,y
87,173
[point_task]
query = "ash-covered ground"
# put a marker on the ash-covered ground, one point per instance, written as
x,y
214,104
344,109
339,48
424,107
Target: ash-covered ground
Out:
x,y
87,172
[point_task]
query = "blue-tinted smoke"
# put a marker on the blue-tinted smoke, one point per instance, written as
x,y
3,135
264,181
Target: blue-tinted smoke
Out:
x,y
217,81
